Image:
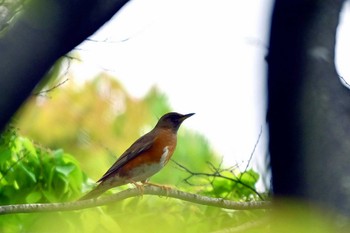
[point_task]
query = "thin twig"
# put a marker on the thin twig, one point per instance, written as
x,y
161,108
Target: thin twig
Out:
x,y
253,152
19,159
248,163
345,82
40,93
215,175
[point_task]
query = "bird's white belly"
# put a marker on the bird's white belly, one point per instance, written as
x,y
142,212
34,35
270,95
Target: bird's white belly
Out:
x,y
145,171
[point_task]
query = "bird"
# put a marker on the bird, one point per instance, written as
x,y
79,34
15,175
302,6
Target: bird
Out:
x,y
144,158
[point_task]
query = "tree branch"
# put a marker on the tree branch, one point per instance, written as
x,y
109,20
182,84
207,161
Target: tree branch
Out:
x,y
216,174
148,190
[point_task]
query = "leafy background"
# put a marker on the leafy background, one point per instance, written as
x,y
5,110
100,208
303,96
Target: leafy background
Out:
x,y
62,140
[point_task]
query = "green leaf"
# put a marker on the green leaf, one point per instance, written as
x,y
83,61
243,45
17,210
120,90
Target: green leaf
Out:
x,y
250,178
58,154
33,197
49,195
15,185
29,174
5,154
65,169
28,145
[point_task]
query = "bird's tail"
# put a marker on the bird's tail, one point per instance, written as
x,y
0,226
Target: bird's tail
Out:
x,y
96,192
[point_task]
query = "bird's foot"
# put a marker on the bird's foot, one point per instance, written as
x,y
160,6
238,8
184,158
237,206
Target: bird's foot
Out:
x,y
139,187
163,187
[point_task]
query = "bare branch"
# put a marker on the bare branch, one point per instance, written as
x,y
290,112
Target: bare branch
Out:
x,y
253,152
148,190
41,93
216,174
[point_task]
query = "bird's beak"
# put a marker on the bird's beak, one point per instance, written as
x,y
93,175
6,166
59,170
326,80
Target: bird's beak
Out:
x,y
184,117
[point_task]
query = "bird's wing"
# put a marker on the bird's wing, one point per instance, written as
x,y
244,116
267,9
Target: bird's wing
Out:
x,y
142,144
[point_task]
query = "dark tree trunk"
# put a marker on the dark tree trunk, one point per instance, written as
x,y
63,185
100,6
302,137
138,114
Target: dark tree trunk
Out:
x,y
46,30
308,107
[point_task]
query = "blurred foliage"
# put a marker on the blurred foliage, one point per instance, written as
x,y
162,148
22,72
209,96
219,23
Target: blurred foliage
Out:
x,y
96,121
8,10
234,185
30,173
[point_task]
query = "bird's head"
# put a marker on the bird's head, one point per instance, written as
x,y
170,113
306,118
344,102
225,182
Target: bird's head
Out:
x,y
172,120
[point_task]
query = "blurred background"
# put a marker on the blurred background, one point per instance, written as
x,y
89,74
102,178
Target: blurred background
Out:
x,y
159,56
152,57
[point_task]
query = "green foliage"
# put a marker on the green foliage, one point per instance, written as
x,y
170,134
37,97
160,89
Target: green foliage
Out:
x,y
30,173
96,122
153,214
235,185
224,183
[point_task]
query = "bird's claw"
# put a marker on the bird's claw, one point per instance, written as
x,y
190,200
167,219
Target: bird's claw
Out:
x,y
163,187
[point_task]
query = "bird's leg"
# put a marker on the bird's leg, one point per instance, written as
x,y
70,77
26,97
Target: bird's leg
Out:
x,y
163,187
139,187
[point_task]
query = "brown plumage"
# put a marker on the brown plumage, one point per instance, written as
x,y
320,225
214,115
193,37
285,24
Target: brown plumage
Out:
x,y
145,157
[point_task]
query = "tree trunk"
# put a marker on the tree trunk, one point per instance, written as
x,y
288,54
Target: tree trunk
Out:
x,y
46,30
308,107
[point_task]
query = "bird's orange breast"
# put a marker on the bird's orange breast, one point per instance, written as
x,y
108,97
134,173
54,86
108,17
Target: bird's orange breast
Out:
x,y
159,153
